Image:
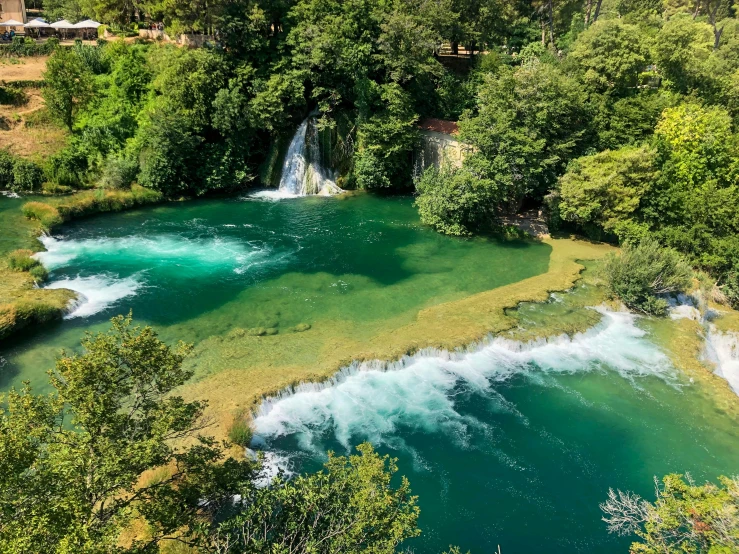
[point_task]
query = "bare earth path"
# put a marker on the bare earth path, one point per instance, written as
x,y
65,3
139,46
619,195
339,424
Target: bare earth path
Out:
x,y
29,69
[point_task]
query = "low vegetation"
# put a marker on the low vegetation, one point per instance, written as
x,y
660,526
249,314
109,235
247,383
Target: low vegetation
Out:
x,y
22,260
26,46
85,203
643,274
18,174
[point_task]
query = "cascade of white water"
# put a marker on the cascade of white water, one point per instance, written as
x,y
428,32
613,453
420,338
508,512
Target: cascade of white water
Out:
x,y
723,350
302,172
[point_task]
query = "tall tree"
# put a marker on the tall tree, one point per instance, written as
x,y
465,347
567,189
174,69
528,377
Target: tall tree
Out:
x,y
68,85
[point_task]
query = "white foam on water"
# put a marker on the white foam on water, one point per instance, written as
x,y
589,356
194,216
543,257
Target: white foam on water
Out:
x,y
372,400
684,307
723,350
10,194
97,292
272,195
200,254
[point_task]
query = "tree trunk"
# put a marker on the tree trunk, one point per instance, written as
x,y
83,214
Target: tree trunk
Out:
x,y
455,47
587,12
551,23
543,34
697,9
597,10
716,31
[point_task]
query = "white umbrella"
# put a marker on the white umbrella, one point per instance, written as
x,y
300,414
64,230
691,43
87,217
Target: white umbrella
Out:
x,y
36,24
63,24
11,23
87,24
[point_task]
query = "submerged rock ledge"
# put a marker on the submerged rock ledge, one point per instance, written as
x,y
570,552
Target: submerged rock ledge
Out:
x,y
447,326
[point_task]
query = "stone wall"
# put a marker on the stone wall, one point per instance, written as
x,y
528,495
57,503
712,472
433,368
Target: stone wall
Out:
x,y
438,148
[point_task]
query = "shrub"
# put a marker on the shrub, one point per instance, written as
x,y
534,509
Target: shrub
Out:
x,y
240,432
12,96
47,215
455,201
27,175
643,273
731,289
21,46
68,168
92,57
119,172
39,273
18,174
6,169
370,172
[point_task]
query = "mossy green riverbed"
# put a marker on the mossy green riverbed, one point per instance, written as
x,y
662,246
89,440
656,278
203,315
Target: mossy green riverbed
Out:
x,y
505,443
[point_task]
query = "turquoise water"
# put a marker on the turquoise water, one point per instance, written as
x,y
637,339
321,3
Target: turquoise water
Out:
x,y
506,444
202,269
514,445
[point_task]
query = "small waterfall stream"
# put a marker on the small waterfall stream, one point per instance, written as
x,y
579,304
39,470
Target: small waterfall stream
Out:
x,y
721,348
303,173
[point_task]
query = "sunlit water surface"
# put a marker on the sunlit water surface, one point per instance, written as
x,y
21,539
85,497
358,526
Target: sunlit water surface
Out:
x,y
506,444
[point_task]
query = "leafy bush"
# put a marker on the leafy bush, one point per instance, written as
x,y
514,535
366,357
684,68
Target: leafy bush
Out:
x,y
68,168
92,57
39,273
643,273
169,147
21,46
731,289
12,96
370,172
6,169
455,201
27,175
47,215
18,174
119,172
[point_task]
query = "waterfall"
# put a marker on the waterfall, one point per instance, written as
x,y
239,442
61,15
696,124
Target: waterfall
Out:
x,y
723,350
302,172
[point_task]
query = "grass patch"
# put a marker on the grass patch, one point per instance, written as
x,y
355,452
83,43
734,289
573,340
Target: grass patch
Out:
x,y
47,215
240,432
22,304
21,260
88,203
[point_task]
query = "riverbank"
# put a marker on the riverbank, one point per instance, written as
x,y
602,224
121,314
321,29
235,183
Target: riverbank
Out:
x,y
22,302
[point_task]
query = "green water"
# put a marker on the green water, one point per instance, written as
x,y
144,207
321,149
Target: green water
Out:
x,y
202,269
508,444
515,445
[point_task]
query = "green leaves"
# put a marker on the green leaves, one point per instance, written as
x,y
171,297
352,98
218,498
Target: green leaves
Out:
x,y
455,201
70,463
604,190
68,85
611,54
642,273
685,518
348,507
530,123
